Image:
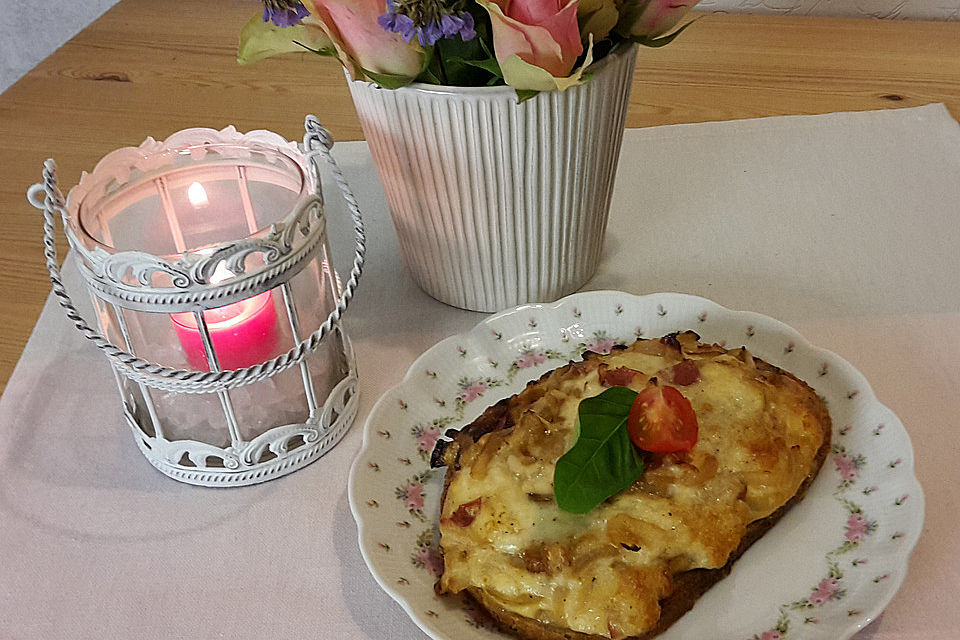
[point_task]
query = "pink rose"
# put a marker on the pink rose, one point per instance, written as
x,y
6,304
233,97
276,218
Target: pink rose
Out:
x,y
530,357
651,18
414,495
601,345
427,438
428,558
362,44
829,585
825,591
857,527
543,33
472,390
846,466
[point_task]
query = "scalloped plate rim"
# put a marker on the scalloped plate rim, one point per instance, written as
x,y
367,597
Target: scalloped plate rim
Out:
x,y
857,625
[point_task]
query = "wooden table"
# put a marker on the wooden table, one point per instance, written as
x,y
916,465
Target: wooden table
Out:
x,y
72,514
151,68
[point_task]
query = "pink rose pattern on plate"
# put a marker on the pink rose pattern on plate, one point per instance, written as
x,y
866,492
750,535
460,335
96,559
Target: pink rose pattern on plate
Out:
x,y
426,556
472,388
857,528
600,343
828,589
532,356
427,434
412,493
426,438
847,466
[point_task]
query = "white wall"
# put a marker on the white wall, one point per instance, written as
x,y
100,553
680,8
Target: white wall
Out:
x,y
30,30
890,9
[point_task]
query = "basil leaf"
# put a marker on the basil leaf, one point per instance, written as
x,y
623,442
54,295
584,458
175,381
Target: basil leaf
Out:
x,y
603,460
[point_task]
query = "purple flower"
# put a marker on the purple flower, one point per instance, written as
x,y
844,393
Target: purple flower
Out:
x,y
461,25
426,21
398,23
429,34
450,25
284,13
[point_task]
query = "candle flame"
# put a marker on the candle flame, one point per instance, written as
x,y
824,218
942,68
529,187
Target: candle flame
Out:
x,y
197,195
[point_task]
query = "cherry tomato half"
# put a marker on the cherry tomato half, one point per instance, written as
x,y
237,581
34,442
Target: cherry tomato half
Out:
x,y
661,420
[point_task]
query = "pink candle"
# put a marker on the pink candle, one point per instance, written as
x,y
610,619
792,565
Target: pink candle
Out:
x,y
243,333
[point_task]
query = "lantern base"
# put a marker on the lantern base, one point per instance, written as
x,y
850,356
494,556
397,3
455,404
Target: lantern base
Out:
x,y
189,461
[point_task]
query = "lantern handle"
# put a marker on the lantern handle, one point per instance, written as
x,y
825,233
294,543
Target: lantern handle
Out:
x,y
46,196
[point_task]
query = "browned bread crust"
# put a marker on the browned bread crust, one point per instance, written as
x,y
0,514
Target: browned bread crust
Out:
x,y
688,586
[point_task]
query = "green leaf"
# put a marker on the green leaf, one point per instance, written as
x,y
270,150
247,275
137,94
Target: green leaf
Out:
x,y
387,80
330,53
483,37
665,40
465,63
259,40
525,94
429,76
603,460
490,65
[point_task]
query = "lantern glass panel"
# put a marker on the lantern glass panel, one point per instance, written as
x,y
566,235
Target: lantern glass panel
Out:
x,y
186,199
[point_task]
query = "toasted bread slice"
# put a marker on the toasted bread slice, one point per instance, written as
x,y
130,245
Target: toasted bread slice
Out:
x,y
636,563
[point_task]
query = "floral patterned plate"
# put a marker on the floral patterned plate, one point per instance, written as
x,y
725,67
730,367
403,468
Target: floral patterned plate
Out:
x,y
824,572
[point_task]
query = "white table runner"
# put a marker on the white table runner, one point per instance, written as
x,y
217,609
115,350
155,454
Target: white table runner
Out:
x,y
846,226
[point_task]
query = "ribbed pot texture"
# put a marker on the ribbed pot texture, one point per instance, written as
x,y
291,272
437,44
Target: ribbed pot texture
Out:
x,y
497,203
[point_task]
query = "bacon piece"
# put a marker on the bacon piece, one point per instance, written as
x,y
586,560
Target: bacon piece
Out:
x,y
682,374
466,513
619,377
671,341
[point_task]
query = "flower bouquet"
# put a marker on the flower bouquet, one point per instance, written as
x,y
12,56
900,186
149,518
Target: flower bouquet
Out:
x,y
530,45
495,126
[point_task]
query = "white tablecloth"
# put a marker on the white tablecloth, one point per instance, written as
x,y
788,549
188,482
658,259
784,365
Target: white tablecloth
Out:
x,y
846,226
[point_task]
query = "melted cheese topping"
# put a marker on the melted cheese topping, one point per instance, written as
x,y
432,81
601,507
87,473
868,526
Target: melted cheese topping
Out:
x,y
605,571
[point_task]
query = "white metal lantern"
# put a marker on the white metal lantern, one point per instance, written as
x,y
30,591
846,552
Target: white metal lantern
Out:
x,y
207,259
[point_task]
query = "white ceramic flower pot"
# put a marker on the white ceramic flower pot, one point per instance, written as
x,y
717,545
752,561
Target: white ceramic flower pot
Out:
x,y
496,202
